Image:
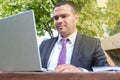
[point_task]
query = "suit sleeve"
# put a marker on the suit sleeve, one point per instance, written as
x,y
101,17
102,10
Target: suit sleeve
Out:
x,y
99,56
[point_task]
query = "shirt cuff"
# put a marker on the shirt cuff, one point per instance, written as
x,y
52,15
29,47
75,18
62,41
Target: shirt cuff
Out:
x,y
83,69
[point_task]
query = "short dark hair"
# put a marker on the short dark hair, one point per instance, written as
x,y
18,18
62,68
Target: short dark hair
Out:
x,y
70,3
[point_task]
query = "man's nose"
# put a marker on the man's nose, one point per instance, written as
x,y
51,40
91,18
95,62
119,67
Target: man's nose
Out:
x,y
60,20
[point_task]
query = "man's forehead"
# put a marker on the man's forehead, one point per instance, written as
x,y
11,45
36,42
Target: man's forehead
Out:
x,y
63,7
60,14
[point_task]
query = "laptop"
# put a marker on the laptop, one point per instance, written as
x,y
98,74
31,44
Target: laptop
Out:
x,y
18,43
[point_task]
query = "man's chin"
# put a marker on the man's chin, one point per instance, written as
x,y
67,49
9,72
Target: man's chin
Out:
x,y
63,34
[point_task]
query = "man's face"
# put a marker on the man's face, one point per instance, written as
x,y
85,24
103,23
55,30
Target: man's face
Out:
x,y
65,20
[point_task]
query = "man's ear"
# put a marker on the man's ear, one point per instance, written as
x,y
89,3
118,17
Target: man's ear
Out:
x,y
76,17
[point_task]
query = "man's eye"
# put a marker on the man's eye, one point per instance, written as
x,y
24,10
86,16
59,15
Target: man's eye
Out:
x,y
63,16
55,18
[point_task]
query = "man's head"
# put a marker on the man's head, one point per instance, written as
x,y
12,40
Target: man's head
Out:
x,y
65,18
70,3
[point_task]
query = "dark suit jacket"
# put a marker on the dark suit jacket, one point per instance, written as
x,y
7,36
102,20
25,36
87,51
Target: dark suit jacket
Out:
x,y
87,52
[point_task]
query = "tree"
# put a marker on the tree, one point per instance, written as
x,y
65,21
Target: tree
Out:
x,y
41,9
92,17
113,16
116,29
10,7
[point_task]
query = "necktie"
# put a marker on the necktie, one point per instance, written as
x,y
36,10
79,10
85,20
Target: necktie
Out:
x,y
62,56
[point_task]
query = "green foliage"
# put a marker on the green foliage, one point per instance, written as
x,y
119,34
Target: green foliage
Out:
x,y
10,7
91,20
116,29
42,9
113,16
92,17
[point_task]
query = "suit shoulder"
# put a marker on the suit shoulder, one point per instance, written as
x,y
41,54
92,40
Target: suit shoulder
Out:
x,y
49,41
90,38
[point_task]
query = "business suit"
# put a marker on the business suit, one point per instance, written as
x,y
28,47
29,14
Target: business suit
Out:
x,y
87,52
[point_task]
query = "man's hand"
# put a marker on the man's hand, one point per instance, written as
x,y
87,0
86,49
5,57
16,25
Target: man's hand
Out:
x,y
67,68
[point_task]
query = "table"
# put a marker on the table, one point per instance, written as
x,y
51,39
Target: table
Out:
x,y
59,76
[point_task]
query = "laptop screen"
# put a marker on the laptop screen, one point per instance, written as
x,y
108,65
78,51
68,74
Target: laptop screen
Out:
x,y
18,43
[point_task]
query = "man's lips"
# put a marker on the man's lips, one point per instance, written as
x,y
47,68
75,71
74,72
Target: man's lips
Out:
x,y
61,26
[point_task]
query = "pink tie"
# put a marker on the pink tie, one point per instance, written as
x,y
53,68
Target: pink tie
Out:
x,y
62,56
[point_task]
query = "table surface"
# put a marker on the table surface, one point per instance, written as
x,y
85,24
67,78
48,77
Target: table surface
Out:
x,y
59,76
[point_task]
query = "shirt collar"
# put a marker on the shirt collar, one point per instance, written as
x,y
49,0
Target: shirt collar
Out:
x,y
71,37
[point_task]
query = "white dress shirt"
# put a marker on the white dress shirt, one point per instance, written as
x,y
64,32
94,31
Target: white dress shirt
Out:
x,y
53,60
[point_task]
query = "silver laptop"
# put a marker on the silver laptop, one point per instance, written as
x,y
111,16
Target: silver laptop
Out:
x,y
18,43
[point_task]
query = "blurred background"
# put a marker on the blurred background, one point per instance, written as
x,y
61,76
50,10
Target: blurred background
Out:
x,y
97,18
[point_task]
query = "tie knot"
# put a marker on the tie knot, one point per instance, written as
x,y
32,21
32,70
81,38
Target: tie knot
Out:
x,y
64,41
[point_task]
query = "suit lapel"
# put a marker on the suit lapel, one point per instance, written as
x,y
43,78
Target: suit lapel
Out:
x,y
48,50
76,50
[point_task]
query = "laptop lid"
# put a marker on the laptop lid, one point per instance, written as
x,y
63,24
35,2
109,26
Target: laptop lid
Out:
x,y
18,43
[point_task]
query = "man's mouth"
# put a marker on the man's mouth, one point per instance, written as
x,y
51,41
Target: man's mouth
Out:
x,y
61,26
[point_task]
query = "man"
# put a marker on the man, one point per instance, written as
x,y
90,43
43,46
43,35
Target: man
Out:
x,y
82,52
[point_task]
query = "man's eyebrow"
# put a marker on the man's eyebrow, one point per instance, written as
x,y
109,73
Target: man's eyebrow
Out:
x,y
60,14
53,16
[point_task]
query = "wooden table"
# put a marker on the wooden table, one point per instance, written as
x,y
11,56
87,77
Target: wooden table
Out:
x,y
59,76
